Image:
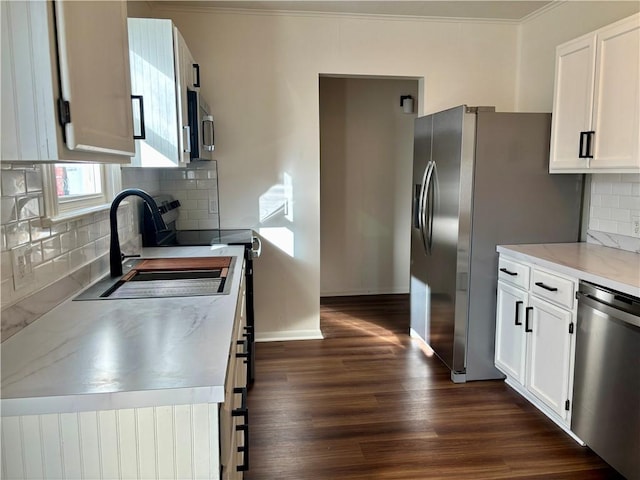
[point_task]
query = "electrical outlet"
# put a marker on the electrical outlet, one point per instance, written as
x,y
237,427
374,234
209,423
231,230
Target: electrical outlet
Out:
x,y
635,226
213,205
22,266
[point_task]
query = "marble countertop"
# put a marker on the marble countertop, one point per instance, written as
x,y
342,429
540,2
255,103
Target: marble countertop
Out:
x,y
609,267
114,354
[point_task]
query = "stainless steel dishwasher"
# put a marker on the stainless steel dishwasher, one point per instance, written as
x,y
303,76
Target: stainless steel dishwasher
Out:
x,y
606,391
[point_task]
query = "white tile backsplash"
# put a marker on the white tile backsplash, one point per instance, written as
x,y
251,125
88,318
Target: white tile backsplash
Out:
x,y
56,252
615,200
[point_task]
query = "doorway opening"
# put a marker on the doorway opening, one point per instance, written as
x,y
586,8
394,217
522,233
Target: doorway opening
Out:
x,y
366,158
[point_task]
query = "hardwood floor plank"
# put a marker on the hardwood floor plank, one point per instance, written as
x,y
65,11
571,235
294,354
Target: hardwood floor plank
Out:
x,y
369,402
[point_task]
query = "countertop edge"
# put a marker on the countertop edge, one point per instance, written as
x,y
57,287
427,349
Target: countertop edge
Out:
x,y
572,271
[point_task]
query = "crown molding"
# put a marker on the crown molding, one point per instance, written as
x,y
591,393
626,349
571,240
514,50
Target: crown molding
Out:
x,y
172,8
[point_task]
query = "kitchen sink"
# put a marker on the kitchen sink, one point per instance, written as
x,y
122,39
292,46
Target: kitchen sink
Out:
x,y
144,279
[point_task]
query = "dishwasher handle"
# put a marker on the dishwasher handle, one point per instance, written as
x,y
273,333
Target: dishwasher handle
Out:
x,y
598,305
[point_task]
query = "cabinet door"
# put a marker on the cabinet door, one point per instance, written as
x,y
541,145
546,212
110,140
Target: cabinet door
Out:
x,y
510,352
573,97
153,75
549,354
94,76
184,78
617,97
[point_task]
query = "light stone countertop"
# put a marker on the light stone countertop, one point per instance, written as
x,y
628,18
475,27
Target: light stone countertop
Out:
x,y
609,267
115,354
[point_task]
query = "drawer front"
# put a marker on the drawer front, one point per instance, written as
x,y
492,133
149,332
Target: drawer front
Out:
x,y
559,290
513,272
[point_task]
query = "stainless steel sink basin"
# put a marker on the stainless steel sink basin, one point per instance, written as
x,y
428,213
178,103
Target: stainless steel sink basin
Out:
x,y
159,284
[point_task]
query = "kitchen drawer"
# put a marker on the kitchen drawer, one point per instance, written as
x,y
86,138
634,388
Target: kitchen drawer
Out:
x,y
559,290
513,272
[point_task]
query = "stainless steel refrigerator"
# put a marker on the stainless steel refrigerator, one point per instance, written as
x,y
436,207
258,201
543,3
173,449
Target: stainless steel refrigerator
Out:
x,y
480,179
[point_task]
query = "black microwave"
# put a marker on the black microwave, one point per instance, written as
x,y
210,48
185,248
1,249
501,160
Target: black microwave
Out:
x,y
202,138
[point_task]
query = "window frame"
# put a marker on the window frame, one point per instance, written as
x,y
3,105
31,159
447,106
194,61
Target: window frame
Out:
x,y
59,211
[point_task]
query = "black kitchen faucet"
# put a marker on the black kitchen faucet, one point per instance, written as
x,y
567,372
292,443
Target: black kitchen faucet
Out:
x,y
115,255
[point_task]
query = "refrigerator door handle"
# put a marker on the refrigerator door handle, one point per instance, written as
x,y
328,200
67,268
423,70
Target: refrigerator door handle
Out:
x,y
420,203
432,203
427,213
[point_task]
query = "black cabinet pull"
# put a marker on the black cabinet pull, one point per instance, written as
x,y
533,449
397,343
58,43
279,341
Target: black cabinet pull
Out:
x,y
585,149
196,66
518,303
244,449
513,274
243,412
142,134
526,320
245,350
546,287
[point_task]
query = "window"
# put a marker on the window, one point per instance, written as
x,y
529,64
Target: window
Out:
x,y
74,189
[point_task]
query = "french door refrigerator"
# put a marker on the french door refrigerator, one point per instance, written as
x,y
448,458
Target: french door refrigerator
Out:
x,y
480,179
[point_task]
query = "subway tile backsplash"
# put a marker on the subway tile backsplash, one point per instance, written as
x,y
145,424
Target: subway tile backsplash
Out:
x,y
57,253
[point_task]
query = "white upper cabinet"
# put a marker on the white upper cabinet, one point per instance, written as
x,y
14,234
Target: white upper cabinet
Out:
x,y
596,105
66,92
162,70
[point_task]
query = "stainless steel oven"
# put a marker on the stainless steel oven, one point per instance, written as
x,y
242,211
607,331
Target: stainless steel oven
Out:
x,y
606,392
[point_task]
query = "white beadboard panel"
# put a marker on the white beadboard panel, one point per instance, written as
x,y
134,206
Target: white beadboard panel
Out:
x,y
127,444
12,447
90,442
165,445
184,455
146,431
70,430
32,449
176,442
51,441
108,428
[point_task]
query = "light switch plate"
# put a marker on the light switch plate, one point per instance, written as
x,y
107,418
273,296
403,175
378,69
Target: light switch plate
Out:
x,y
635,226
22,266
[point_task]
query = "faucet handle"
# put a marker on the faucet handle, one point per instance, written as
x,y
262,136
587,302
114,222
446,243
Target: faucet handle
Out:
x,y
123,256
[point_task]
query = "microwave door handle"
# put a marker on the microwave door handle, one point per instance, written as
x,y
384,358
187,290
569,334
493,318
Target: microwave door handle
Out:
x,y
208,140
186,144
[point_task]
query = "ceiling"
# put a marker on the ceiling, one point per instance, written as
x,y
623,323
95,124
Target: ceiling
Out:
x,y
514,10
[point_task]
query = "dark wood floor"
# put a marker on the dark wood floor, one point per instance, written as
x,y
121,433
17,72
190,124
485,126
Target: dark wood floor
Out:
x,y
368,403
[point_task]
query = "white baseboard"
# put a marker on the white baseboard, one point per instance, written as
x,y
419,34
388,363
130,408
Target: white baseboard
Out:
x,y
289,336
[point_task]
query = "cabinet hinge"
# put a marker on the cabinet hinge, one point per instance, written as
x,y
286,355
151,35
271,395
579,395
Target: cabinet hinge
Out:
x,y
566,405
64,112
571,327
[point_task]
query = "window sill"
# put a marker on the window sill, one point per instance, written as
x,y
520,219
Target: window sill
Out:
x,y
76,214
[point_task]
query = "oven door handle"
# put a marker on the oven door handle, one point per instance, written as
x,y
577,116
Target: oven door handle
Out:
x,y
256,246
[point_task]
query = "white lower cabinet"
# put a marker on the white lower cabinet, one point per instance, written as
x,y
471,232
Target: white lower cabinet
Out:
x,y
535,321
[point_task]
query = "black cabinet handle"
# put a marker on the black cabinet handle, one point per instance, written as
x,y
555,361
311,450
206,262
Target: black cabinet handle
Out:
x,y
242,411
196,66
586,144
513,274
518,303
245,350
244,449
142,134
526,320
546,287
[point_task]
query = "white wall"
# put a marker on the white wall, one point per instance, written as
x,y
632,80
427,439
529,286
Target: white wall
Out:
x,y
366,158
260,75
